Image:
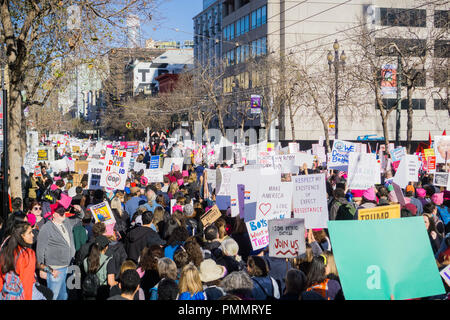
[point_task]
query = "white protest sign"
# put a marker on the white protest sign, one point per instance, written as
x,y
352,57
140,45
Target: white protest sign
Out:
x,y
398,153
114,175
301,158
138,166
408,170
30,161
339,154
95,169
294,147
59,165
169,162
310,200
319,151
154,175
363,170
442,148
211,177
103,213
258,232
274,199
286,238
265,159
285,163
441,179
223,179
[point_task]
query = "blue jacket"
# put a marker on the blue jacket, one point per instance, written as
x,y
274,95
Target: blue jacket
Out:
x,y
131,206
187,296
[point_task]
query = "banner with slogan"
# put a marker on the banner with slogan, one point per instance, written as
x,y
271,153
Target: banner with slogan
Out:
x,y
210,216
390,257
42,155
389,79
310,200
363,170
114,175
154,175
102,213
154,162
285,163
398,154
286,238
381,212
95,169
339,154
407,171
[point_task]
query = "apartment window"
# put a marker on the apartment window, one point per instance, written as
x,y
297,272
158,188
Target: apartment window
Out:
x,y
417,104
442,49
231,31
254,48
258,47
232,57
408,47
441,19
258,17
225,33
441,78
253,20
264,15
238,28
264,45
440,104
238,55
397,17
247,24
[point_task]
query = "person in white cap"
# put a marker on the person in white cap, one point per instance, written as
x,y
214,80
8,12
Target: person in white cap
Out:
x,y
211,275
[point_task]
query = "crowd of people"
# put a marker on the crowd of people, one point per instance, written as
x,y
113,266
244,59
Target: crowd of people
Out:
x,y
155,252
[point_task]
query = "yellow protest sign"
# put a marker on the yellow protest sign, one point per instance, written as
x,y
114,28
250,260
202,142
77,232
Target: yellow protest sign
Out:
x,y
428,153
382,212
42,155
75,149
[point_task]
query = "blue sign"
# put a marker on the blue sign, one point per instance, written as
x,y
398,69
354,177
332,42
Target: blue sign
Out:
x,y
154,162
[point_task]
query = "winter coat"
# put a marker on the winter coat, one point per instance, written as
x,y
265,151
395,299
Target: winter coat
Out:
x,y
138,238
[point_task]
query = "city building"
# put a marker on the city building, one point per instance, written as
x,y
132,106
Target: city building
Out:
x,y
253,28
153,44
208,33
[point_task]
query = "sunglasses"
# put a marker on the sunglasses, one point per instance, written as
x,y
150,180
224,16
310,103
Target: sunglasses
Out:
x,y
37,208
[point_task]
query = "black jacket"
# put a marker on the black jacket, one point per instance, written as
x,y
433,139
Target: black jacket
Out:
x,y
138,238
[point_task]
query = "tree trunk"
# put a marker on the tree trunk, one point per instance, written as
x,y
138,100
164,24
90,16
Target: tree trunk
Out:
x,y
291,118
14,142
409,125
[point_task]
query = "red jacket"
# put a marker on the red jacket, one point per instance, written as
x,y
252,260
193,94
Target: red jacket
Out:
x,y
25,268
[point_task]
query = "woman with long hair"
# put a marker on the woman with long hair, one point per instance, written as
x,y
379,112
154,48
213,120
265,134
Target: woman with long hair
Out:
x,y
318,281
16,256
96,264
190,285
148,268
264,286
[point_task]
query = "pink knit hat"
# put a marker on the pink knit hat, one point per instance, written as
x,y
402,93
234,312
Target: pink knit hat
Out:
x,y
438,198
421,193
31,219
357,193
369,194
393,197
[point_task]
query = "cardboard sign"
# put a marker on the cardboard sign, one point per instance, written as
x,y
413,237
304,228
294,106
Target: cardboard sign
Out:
x,y
274,199
285,163
210,216
310,200
339,154
286,238
382,212
114,175
445,274
81,167
394,257
363,170
102,213
95,169
76,149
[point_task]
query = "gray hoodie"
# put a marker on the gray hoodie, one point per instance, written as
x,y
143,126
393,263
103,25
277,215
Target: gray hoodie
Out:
x,y
52,249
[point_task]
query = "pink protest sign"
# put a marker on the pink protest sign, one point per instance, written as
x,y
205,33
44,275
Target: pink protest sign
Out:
x,y
185,173
65,201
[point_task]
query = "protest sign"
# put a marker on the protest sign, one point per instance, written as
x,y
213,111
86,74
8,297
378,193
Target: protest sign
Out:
x,y
59,165
310,200
431,164
442,148
339,155
274,199
302,158
211,178
37,171
319,151
170,162
154,175
259,233
286,238
223,187
210,216
102,213
428,153
42,155
398,153
294,147
138,166
95,169
114,175
285,163
265,159
399,194
408,170
440,179
154,162
81,167
390,257
30,161
382,212
445,274
363,170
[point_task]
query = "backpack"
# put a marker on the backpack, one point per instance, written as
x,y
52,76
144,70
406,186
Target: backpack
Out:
x,y
346,212
269,297
12,287
91,283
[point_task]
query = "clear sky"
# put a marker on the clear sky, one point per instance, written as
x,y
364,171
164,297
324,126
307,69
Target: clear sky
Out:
x,y
176,14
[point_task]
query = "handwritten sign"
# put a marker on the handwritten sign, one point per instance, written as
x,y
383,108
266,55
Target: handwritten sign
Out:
x,y
408,170
286,238
154,175
285,163
42,155
340,154
274,198
114,175
95,169
310,200
363,170
210,216
259,233
382,212
445,274
398,153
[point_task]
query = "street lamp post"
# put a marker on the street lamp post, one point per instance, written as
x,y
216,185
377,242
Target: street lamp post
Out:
x,y
337,62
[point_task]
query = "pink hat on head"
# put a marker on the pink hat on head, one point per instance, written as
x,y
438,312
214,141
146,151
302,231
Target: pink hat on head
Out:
x,y
357,193
393,197
421,193
31,219
369,194
438,198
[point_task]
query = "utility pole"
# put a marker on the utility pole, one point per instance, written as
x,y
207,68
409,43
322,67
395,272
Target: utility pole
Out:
x,y
399,100
4,108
